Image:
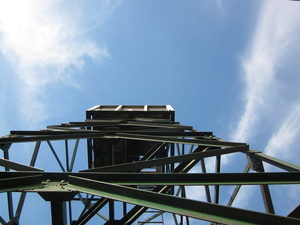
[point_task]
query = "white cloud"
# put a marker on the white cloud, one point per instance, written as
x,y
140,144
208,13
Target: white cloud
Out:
x,y
278,28
46,41
281,143
39,37
269,86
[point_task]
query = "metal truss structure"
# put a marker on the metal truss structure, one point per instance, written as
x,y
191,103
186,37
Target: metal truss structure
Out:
x,y
139,168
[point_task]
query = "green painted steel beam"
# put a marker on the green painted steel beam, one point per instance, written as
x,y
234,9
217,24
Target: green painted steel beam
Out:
x,y
52,132
195,179
190,179
273,161
136,119
167,160
202,142
54,136
170,133
20,183
122,123
153,125
65,134
17,166
92,123
181,206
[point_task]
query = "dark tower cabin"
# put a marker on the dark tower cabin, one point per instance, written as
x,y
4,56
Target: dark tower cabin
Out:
x,y
130,121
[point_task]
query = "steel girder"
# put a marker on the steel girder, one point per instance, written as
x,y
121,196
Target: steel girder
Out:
x,y
158,179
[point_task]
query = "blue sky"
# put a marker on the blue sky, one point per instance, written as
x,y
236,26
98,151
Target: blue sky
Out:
x,y
231,67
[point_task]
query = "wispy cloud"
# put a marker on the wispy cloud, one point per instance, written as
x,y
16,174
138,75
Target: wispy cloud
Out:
x,y
46,42
268,108
282,141
276,32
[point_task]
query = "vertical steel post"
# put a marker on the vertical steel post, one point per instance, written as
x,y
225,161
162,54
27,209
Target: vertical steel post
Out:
x,y
217,187
58,212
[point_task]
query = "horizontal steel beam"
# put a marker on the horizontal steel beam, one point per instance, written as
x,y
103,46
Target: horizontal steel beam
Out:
x,y
17,166
196,179
171,133
152,125
273,161
54,136
125,167
192,179
181,206
95,123
202,142
52,132
64,133
20,183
